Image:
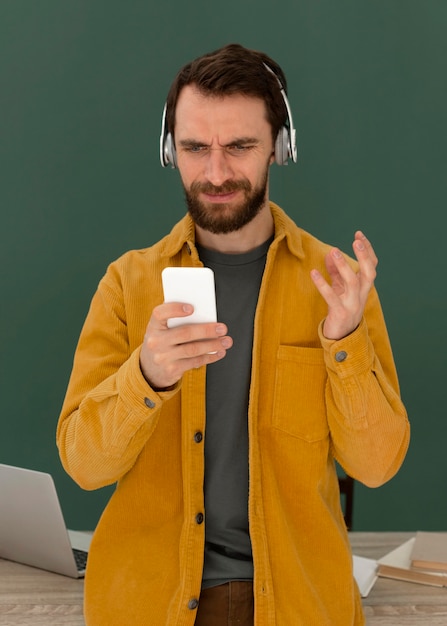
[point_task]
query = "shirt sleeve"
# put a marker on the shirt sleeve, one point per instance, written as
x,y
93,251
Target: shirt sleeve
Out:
x,y
109,411
367,419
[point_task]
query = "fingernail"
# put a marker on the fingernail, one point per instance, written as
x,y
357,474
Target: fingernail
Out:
x,y
187,308
360,245
220,329
226,342
337,254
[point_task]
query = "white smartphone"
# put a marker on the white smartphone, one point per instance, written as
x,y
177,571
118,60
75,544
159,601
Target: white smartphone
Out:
x,y
192,285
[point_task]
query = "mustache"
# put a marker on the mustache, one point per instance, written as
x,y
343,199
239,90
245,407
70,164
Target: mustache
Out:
x,y
226,187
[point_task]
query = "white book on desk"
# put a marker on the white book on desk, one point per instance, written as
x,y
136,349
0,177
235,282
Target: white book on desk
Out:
x,y
397,564
429,552
365,574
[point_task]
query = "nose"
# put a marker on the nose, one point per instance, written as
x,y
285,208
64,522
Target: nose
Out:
x,y
218,168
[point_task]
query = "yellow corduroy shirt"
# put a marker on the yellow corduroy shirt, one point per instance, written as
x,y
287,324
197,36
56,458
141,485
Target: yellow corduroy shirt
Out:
x,y
311,400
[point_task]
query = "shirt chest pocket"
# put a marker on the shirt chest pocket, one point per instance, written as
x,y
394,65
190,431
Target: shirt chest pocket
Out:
x,y
299,407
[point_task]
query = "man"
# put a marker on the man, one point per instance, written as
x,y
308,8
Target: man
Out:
x,y
222,436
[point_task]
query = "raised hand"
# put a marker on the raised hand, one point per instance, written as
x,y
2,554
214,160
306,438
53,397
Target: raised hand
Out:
x,y
167,353
347,294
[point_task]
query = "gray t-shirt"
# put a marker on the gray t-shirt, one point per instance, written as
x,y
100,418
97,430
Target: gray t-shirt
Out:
x,y
228,547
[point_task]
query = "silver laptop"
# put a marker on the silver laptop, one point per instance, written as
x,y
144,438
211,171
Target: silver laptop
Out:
x,y
32,526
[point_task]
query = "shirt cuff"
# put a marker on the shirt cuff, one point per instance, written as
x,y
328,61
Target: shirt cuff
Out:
x,y
351,355
136,391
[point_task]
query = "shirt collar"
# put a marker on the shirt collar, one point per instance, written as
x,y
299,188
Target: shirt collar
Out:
x,y
183,234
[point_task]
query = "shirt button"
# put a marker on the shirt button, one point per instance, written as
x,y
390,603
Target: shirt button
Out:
x,y
199,518
149,403
341,356
193,604
198,436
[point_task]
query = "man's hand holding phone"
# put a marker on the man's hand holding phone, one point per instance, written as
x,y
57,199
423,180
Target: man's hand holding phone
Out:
x,y
170,347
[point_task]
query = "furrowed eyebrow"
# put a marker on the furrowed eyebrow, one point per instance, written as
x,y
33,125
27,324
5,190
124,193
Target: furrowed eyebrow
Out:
x,y
242,140
193,143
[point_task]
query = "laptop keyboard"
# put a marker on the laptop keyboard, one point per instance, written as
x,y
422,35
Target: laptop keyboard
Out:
x,y
80,558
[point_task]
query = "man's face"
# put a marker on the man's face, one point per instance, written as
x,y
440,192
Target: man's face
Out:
x,y
224,149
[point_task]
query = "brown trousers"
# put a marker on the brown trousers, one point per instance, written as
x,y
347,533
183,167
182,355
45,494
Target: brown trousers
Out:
x,y
230,604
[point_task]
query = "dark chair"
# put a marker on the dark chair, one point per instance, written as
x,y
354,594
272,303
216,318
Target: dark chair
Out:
x,y
347,492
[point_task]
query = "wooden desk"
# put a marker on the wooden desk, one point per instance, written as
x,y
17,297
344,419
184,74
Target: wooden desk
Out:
x,y
396,603
32,596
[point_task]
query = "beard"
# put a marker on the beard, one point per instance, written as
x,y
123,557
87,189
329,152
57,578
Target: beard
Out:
x,y
222,218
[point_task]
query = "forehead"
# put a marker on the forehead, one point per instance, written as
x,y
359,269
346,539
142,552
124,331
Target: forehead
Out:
x,y
197,113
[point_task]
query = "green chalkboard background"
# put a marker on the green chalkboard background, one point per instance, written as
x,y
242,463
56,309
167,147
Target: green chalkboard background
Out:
x,y
82,86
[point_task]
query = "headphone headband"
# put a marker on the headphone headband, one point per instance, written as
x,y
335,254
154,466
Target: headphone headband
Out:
x,y
285,144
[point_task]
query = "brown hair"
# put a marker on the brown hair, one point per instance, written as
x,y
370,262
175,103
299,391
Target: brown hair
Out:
x,y
230,70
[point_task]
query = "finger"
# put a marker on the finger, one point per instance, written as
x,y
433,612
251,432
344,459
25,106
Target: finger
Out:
x,y
195,350
164,362
326,291
186,357
363,246
367,260
341,272
183,365
163,312
188,333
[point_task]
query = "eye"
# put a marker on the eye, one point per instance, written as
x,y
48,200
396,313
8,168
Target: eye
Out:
x,y
191,147
196,149
239,148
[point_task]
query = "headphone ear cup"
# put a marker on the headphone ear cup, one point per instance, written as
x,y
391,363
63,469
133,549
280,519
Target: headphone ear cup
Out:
x,y
169,150
282,146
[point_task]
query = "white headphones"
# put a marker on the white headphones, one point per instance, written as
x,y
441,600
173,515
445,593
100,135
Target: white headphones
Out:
x,y
285,144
